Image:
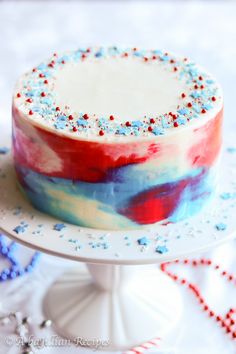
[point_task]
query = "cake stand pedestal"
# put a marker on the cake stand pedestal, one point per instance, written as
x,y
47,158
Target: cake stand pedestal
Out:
x,y
122,299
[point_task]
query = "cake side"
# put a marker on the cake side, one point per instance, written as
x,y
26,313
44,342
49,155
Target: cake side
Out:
x,y
120,181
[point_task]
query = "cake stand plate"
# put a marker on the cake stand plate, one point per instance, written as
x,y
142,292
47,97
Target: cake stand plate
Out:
x,y
117,306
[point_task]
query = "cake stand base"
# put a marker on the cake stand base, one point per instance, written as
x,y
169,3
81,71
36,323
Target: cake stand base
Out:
x,y
117,308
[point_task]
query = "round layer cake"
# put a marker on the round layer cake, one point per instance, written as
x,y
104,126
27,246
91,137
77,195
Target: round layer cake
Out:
x,y
117,139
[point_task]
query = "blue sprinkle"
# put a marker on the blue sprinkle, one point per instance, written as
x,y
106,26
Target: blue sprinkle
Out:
x,y
181,120
195,94
226,196
144,241
231,150
221,226
161,249
59,227
183,111
157,131
82,122
137,124
20,229
4,150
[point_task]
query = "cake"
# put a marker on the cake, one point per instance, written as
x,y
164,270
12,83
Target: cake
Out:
x,y
117,139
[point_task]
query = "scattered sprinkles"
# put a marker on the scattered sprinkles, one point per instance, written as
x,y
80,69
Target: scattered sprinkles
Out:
x,y
37,98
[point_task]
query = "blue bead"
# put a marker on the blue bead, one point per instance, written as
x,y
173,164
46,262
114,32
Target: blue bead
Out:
x,y
13,275
3,277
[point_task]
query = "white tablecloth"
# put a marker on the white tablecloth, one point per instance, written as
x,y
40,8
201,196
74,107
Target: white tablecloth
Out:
x,y
205,31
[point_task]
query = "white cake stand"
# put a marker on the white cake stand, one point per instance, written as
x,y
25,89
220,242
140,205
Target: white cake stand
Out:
x,y
117,304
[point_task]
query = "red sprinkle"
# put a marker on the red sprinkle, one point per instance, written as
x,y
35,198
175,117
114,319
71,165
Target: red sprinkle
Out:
x,y
18,95
202,86
176,124
43,94
196,87
83,56
57,109
145,59
85,116
154,57
183,95
41,75
112,118
213,99
152,120
31,113
175,69
70,117
63,62
128,124
101,133
200,78
34,70
203,110
45,82
75,129
29,100
189,104
150,129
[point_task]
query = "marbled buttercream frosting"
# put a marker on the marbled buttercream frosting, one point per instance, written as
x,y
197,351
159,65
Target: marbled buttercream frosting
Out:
x,y
115,139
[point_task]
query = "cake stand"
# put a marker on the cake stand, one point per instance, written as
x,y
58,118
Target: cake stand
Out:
x,y
122,299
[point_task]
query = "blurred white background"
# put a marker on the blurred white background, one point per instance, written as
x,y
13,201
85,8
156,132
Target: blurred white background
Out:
x,y
202,30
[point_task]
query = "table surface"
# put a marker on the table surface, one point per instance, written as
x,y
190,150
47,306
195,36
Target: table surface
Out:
x,y
205,31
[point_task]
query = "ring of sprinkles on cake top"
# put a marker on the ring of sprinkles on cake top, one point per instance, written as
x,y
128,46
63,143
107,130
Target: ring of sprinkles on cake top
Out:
x,y
196,97
117,139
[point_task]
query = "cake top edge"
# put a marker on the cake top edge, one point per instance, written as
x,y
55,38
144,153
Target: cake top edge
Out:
x,y
184,93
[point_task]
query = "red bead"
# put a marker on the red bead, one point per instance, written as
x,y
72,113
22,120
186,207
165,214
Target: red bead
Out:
x,y
174,116
45,82
85,116
145,59
29,100
50,65
41,75
183,95
128,124
213,98
63,62
152,120
202,86
18,95
175,69
154,57
189,104
75,129
43,94
57,109
150,129
83,56
70,117
125,54
172,61
101,132
176,124
112,117
200,78
196,87
34,70
203,110
31,113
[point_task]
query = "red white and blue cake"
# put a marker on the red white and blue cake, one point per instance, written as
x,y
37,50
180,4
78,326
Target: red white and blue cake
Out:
x,y
115,139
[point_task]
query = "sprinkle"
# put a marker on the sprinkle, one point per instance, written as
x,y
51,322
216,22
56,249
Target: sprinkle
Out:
x,y
144,241
4,150
112,118
59,227
18,95
101,133
85,116
161,249
183,95
31,112
20,228
221,226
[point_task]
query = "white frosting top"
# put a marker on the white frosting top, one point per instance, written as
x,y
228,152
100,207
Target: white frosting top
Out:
x,y
115,94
